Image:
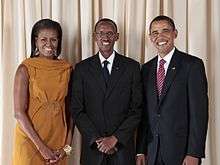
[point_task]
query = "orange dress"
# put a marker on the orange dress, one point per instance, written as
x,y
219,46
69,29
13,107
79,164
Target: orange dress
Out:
x,y
48,85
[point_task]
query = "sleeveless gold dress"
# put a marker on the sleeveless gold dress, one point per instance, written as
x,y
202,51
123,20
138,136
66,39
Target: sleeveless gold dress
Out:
x,y
48,85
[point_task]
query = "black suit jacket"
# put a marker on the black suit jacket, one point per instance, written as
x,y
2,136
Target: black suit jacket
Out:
x,y
99,111
179,118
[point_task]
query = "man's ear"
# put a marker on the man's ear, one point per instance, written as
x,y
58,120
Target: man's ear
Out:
x,y
94,36
176,33
149,36
117,36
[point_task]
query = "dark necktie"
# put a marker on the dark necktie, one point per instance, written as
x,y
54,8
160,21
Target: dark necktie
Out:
x,y
160,76
106,71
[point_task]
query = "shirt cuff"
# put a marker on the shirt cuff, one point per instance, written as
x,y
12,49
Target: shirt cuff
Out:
x,y
139,154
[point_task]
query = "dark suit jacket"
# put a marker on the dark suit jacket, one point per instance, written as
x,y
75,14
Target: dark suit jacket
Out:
x,y
99,111
179,118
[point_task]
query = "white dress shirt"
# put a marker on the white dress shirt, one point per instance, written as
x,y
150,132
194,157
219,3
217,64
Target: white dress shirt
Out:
x,y
167,58
110,60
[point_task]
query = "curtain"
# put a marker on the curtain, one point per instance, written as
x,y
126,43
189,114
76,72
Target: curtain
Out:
x,y
198,26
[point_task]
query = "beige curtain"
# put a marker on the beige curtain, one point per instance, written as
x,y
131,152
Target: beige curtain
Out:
x,y
197,21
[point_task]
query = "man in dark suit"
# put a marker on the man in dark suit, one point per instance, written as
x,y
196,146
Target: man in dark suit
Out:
x,y
106,101
174,124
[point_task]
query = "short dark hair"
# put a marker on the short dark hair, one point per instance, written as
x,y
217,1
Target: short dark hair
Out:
x,y
45,24
106,20
162,18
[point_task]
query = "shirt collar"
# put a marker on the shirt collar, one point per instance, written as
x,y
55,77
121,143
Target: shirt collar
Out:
x,y
109,59
168,57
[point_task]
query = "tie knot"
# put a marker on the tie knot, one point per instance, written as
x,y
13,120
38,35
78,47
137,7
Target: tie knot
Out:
x,y
162,62
105,63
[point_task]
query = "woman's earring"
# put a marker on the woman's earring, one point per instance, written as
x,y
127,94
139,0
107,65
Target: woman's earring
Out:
x,y
36,52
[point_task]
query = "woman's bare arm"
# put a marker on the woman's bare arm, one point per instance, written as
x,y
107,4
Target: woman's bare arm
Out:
x,y
21,101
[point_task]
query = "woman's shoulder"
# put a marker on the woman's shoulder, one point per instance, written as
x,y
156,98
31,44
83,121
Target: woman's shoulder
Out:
x,y
27,60
22,71
44,63
65,63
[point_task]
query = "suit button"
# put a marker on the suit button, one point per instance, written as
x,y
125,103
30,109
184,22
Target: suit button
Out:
x,y
158,115
157,135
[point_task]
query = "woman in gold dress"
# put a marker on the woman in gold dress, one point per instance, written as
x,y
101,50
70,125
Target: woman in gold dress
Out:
x,y
43,133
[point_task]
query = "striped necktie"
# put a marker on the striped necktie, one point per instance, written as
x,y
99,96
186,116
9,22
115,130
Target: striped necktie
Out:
x,y
160,76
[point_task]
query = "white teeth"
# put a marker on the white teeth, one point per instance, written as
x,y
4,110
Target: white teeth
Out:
x,y
48,49
105,43
161,43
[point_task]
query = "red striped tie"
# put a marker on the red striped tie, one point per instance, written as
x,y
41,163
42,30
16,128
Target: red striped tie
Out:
x,y
160,76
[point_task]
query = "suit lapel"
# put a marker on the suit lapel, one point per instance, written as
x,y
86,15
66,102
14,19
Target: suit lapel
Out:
x,y
96,71
173,68
118,68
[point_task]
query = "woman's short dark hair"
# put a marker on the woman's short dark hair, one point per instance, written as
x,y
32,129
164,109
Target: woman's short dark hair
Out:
x,y
45,24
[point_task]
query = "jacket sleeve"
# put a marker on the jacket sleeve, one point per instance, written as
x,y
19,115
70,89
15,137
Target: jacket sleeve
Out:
x,y
142,131
128,126
198,109
82,121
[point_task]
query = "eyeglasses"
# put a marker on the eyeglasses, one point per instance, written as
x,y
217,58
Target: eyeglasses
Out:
x,y
102,34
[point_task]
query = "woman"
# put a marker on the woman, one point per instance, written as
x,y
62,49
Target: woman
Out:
x,y
43,132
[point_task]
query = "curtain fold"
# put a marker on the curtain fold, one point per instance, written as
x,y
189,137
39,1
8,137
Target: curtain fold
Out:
x,y
198,26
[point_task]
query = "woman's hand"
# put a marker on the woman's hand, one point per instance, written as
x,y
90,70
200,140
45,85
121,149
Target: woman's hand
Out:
x,y
61,153
49,155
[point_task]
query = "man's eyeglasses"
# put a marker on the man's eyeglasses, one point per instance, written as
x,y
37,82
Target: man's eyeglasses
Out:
x,y
102,34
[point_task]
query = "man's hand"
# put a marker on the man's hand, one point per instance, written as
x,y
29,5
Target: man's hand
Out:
x,y
112,151
190,160
106,144
140,159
